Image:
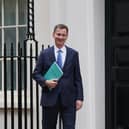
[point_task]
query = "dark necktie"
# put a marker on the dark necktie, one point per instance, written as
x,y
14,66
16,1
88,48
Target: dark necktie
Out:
x,y
59,58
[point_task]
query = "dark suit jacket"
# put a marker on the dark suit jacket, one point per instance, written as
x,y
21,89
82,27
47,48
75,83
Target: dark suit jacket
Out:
x,y
69,86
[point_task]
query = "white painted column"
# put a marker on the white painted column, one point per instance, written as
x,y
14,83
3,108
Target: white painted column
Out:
x,y
90,93
99,38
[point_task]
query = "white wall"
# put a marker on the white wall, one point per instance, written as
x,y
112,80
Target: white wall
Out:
x,y
42,25
85,19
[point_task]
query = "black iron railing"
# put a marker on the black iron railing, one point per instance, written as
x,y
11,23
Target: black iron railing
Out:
x,y
23,65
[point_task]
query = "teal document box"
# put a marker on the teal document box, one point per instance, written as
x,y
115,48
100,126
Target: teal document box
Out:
x,y
54,72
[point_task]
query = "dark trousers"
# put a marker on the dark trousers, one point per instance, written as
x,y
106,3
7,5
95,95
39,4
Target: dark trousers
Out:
x,y
50,115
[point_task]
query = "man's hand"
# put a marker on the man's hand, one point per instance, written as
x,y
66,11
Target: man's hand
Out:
x,y
51,83
79,104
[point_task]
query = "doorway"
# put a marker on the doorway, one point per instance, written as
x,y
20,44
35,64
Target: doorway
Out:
x,y
117,64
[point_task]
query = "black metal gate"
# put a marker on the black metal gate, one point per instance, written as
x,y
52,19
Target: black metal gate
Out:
x,y
22,87
23,65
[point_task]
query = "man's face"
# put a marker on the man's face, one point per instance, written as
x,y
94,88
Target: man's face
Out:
x,y
60,36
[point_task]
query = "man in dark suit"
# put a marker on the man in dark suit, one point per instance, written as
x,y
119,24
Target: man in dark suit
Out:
x,y
64,96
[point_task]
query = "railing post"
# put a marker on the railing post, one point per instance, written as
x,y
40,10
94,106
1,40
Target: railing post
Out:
x,y
31,89
19,90
25,86
12,87
37,89
5,89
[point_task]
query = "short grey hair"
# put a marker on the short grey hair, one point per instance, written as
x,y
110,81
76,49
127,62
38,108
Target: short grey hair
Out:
x,y
61,26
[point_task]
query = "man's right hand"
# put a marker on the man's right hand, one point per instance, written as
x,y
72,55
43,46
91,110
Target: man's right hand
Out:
x,y
51,83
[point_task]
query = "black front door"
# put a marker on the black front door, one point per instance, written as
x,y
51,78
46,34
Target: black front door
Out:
x,y
117,63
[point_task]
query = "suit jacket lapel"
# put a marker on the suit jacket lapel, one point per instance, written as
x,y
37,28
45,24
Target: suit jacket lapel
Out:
x,y
52,54
67,58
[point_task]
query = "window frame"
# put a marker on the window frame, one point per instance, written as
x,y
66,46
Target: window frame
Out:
x,y
17,28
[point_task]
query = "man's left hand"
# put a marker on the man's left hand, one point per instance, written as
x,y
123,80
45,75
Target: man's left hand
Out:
x,y
79,104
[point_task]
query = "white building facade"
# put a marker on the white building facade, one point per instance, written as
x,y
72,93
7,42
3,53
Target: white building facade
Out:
x,y
85,19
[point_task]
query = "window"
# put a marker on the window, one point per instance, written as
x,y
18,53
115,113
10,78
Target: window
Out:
x,y
13,26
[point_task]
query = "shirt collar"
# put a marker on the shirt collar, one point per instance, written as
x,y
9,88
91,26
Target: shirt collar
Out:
x,y
62,49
